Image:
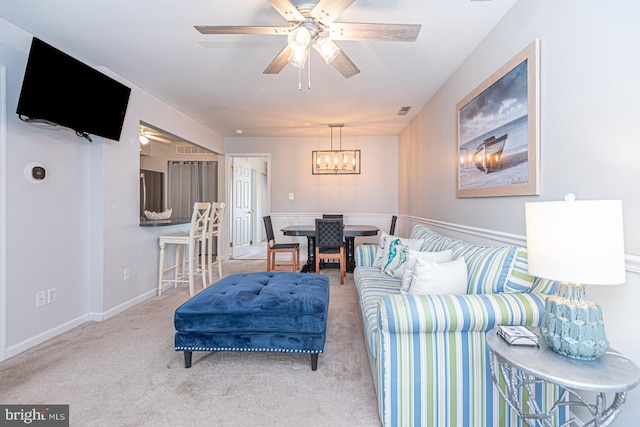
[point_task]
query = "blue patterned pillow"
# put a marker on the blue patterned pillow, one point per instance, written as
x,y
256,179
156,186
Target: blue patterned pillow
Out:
x,y
396,253
377,261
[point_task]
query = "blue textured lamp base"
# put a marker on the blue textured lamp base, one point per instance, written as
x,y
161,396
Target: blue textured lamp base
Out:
x,y
572,325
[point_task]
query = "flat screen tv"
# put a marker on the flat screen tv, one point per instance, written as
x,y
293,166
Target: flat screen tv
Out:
x,y
60,89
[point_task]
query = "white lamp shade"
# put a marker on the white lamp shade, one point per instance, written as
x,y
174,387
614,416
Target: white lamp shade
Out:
x,y
576,241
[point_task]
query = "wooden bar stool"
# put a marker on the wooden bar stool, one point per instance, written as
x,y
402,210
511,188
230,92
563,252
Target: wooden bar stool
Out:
x,y
187,258
213,230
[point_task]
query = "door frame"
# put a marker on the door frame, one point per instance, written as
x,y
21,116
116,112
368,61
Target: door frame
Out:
x,y
3,212
229,194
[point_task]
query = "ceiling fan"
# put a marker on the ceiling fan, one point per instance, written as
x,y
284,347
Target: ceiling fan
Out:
x,y
311,24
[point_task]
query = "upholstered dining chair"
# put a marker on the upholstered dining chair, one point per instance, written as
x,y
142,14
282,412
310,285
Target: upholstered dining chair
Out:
x,y
213,230
333,216
187,256
274,248
330,244
392,229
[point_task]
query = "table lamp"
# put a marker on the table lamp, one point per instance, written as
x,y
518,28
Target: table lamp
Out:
x,y
575,243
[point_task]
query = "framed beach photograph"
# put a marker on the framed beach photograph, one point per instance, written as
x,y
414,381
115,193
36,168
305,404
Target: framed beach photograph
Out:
x,y
497,136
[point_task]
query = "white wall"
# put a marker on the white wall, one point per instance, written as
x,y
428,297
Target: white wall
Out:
x,y
374,190
77,230
369,198
589,138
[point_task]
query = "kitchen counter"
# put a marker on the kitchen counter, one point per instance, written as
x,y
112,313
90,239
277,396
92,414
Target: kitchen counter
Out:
x,y
163,222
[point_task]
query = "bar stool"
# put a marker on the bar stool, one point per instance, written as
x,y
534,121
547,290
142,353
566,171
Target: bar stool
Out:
x,y
186,244
213,230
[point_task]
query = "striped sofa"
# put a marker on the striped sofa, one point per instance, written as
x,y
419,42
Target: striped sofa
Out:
x,y
427,353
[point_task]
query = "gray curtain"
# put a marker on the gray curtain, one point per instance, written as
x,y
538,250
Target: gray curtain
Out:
x,y
190,182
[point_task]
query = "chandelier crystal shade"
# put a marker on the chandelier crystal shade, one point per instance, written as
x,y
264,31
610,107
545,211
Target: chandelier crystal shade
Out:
x,y
335,162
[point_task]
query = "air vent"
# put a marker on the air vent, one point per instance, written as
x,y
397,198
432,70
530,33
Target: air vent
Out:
x,y
403,111
191,149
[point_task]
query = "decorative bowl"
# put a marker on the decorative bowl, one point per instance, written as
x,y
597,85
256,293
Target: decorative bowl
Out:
x,y
158,215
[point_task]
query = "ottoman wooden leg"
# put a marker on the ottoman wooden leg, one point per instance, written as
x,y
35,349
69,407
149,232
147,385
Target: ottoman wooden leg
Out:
x,y
314,362
187,359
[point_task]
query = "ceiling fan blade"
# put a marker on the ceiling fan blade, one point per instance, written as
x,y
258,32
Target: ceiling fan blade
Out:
x,y
231,29
279,62
379,32
327,11
344,65
287,9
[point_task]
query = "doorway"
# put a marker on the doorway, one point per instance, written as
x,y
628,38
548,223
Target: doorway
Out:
x,y
249,200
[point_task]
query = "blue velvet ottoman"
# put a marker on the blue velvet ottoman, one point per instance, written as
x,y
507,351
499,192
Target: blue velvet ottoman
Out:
x,y
275,311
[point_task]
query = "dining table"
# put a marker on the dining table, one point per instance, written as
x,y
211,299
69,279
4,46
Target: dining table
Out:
x,y
350,233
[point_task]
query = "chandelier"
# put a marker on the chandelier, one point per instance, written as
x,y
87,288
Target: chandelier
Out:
x,y
335,162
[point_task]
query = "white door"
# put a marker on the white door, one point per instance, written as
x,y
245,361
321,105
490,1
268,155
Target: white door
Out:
x,y
241,207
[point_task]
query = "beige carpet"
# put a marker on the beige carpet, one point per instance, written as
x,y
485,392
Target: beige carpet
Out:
x,y
125,372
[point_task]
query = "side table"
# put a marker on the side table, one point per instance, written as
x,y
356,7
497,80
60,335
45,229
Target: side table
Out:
x,y
522,367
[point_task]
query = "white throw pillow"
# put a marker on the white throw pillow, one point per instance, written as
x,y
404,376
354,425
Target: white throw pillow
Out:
x,y
410,266
444,278
377,261
395,255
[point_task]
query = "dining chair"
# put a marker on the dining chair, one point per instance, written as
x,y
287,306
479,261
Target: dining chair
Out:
x,y
332,216
213,230
188,260
330,244
274,248
392,229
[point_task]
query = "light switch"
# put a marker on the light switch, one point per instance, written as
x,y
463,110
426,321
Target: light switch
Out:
x,y
291,197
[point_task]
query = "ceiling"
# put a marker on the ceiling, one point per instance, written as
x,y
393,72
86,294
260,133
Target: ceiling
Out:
x,y
218,79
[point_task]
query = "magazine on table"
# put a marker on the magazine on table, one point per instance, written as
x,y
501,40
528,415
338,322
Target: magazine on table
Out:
x,y
517,335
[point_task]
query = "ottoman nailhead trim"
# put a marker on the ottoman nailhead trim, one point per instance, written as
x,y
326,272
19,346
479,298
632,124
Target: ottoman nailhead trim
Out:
x,y
255,350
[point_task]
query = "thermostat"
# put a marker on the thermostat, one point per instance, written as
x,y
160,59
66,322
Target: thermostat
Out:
x,y
35,172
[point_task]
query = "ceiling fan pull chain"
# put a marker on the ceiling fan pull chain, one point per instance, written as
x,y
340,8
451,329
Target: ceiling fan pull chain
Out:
x,y
309,69
299,82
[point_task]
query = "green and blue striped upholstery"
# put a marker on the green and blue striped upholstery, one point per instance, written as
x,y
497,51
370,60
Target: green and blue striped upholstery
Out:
x,y
433,364
427,352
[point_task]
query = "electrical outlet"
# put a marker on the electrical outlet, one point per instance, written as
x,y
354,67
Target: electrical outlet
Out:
x,y
41,299
51,295
291,196
127,273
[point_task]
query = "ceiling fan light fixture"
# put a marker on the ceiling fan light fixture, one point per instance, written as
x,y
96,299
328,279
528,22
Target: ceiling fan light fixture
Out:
x,y
299,39
326,48
297,58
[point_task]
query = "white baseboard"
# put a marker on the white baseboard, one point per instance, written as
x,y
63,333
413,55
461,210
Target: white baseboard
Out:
x,y
65,327
45,336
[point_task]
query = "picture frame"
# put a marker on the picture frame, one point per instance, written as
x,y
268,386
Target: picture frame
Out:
x,y
497,138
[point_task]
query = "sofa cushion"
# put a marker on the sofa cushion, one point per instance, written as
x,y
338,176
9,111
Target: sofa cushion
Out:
x,y
395,255
487,266
519,279
543,286
372,285
409,268
439,278
377,261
